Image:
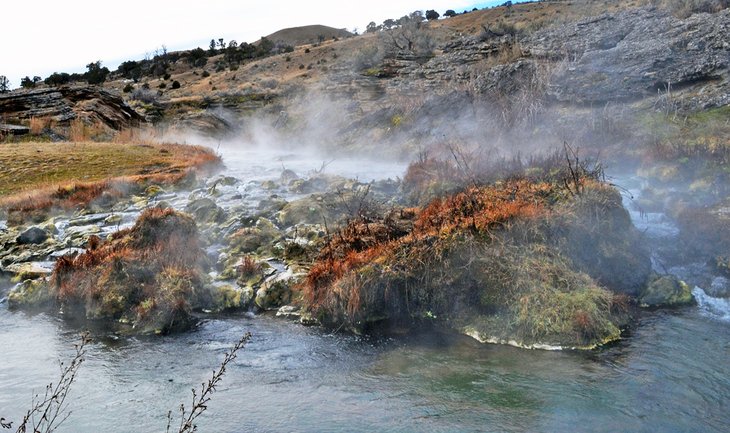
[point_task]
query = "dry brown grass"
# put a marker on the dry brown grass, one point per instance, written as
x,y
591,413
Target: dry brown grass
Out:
x,y
490,254
38,125
477,210
30,166
39,176
81,131
529,16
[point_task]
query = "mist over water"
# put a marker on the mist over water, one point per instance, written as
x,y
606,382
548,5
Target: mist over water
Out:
x,y
296,379
670,373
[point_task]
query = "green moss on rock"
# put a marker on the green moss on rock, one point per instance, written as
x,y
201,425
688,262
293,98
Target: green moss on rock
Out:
x,y
30,294
151,276
499,262
666,291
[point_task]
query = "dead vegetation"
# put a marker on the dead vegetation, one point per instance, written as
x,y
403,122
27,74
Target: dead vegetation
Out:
x,y
150,276
506,258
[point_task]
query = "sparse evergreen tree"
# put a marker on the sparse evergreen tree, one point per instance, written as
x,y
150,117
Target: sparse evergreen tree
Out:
x,y
264,47
130,69
211,47
450,13
57,79
96,74
197,57
432,15
27,82
4,84
389,24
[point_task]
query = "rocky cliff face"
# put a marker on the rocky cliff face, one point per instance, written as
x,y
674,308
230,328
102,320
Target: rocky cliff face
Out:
x,y
64,104
636,53
612,58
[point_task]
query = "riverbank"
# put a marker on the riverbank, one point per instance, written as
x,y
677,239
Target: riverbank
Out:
x,y
39,176
259,239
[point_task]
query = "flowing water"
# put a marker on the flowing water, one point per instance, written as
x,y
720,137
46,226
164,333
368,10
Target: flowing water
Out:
x,y
671,373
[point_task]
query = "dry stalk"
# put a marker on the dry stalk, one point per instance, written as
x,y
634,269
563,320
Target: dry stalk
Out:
x,y
51,411
200,401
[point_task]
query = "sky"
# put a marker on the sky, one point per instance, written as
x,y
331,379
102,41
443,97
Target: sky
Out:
x,y
46,36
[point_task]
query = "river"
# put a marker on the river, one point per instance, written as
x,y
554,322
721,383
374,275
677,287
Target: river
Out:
x,y
671,372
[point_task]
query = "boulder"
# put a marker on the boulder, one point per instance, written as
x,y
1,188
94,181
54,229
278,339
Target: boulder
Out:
x,y
289,312
276,291
205,210
719,288
666,291
33,235
27,271
32,294
77,236
227,297
287,176
257,239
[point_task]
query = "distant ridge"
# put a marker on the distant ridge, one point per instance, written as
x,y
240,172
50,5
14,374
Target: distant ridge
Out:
x,y
303,35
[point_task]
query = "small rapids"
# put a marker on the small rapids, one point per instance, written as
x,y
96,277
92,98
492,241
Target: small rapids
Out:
x,y
661,233
718,308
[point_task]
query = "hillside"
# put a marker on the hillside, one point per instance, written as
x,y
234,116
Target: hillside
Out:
x,y
303,35
643,84
519,63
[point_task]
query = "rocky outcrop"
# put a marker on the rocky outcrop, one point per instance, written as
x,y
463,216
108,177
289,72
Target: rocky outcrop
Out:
x,y
666,291
616,57
13,129
63,104
637,53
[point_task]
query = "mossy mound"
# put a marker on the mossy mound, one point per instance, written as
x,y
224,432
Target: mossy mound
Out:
x,y
666,291
150,276
499,262
595,231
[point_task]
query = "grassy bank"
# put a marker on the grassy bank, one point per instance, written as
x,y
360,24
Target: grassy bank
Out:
x,y
32,166
36,177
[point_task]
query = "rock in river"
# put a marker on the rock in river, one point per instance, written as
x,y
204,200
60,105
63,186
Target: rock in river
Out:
x,y
33,235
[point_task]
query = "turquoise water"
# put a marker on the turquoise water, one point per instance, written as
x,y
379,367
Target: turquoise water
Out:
x,y
671,374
